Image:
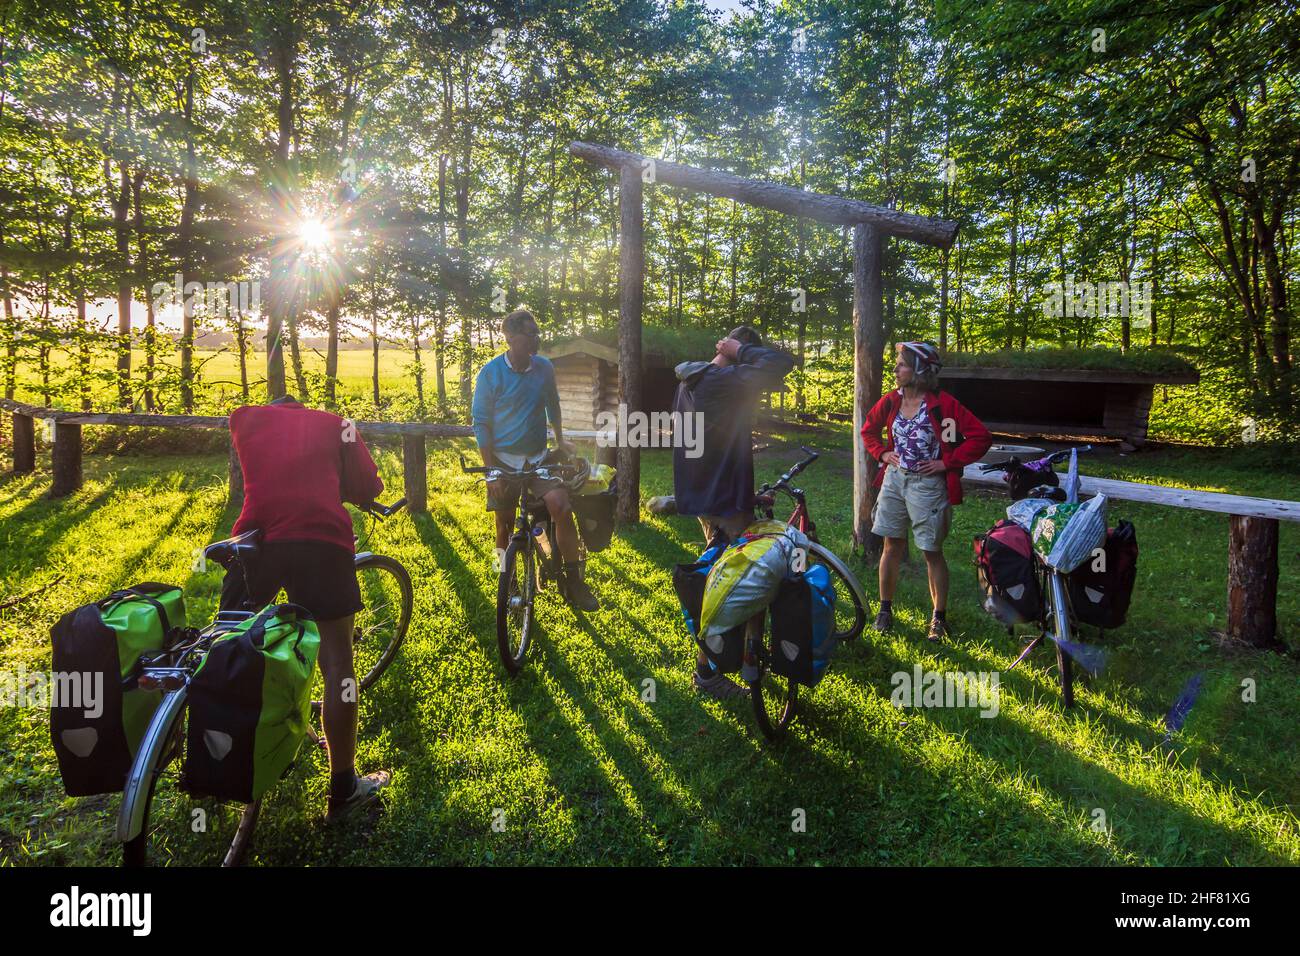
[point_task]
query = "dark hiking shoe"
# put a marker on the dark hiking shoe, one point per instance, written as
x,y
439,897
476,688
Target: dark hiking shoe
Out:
x,y
365,791
719,685
938,630
576,592
884,621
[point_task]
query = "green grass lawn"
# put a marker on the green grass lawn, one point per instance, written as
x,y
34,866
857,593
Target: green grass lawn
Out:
x,y
583,769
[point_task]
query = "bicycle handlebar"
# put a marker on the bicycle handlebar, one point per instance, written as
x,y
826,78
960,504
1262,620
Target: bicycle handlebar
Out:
x,y
784,481
377,510
493,472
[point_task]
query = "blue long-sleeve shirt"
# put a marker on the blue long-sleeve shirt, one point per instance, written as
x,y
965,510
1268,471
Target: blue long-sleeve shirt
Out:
x,y
511,407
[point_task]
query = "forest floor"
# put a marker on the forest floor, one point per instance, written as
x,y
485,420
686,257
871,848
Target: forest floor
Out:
x,y
575,766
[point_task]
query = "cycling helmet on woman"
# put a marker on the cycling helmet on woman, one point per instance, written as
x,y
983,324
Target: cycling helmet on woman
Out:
x,y
924,356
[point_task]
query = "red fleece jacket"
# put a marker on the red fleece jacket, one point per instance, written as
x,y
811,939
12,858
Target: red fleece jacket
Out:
x,y
300,465
972,438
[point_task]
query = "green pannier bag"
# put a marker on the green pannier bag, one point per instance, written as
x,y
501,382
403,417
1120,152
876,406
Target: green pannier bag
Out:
x,y
96,722
248,705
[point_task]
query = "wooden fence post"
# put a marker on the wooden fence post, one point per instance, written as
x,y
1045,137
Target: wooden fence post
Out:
x,y
236,496
66,460
631,287
24,444
414,472
1252,580
868,343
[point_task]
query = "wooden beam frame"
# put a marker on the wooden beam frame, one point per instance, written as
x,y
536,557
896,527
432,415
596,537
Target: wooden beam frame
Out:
x,y
871,224
835,210
868,346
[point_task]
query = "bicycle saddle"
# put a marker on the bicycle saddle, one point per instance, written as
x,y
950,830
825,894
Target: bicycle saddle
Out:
x,y
226,552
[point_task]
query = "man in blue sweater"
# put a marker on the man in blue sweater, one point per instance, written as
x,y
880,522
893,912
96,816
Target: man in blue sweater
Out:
x,y
514,395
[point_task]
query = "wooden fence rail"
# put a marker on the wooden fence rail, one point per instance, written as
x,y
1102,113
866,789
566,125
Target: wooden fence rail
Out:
x,y
66,453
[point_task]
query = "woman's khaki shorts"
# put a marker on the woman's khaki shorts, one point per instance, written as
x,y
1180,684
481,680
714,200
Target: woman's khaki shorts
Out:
x,y
918,500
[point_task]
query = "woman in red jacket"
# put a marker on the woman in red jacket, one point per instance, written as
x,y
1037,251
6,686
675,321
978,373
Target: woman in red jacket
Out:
x,y
922,438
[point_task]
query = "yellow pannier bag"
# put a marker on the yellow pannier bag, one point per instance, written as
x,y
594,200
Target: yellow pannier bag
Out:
x,y
745,579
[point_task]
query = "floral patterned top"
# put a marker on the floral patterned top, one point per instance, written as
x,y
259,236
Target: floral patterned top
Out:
x,y
914,439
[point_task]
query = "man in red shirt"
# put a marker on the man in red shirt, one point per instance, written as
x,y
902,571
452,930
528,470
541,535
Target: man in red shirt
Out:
x,y
299,466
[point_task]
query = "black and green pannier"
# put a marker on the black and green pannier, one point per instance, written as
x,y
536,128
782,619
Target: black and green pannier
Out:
x,y
249,703
95,650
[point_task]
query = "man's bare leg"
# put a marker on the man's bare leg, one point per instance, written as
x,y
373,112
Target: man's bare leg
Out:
x,y
505,518
576,591
339,705
566,532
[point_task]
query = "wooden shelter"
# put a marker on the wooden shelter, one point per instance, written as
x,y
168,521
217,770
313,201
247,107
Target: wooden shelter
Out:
x,y
871,225
586,376
1089,403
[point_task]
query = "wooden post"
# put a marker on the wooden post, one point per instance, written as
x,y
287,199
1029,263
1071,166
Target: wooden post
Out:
x,y
1252,580
414,472
24,444
868,344
66,460
631,278
236,496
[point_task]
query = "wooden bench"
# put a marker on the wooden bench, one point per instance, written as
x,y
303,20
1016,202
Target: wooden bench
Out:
x,y
1253,525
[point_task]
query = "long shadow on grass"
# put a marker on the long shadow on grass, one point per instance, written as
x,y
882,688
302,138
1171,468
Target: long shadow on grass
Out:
x,y
628,742
42,521
1074,779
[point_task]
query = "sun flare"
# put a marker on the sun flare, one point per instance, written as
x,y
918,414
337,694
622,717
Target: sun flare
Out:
x,y
313,233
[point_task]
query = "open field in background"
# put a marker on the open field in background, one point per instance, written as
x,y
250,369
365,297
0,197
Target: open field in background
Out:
x,y
1207,413
218,372
587,772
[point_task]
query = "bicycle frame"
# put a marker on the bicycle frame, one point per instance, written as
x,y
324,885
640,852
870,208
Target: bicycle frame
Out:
x,y
800,518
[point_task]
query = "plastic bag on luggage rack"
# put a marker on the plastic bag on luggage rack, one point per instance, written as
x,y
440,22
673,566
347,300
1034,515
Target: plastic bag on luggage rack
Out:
x,y
1067,534
745,578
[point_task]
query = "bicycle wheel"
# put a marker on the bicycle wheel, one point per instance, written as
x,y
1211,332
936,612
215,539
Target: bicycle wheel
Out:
x,y
516,591
850,599
380,626
162,743
772,695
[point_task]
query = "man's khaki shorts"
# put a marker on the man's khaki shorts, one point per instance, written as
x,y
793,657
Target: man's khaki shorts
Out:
x,y
920,501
